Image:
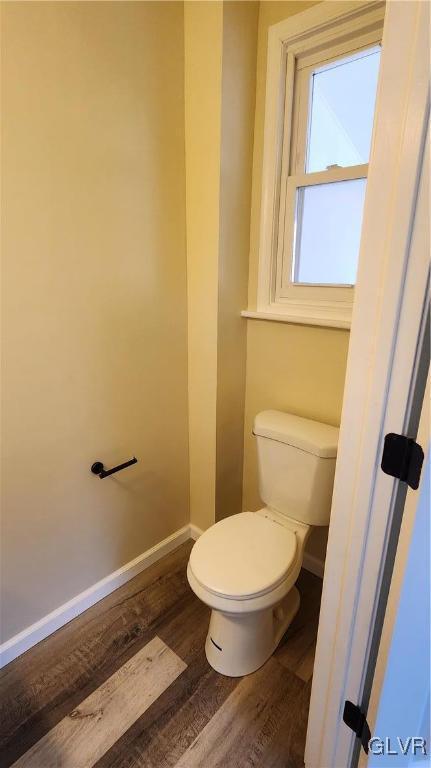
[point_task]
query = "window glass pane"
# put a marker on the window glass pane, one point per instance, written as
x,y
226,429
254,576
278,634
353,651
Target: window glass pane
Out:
x,y
343,96
328,232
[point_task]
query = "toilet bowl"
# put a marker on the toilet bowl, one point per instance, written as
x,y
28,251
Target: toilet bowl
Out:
x,y
252,596
245,566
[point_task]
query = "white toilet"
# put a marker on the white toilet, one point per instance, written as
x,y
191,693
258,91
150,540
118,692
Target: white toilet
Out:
x,y
245,566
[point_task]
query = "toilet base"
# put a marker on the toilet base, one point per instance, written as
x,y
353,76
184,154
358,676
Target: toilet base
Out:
x,y
238,644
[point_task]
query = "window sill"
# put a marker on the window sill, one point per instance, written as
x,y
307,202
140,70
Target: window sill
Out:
x,y
334,319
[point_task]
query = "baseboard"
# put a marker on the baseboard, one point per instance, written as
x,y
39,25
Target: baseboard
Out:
x,y
33,634
195,532
313,564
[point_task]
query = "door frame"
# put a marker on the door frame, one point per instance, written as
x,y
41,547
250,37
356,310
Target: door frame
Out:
x,y
385,380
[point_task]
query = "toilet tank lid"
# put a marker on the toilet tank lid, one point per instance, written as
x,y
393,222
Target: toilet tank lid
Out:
x,y
305,434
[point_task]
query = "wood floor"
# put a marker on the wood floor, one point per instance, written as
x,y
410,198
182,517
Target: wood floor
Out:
x,y
127,684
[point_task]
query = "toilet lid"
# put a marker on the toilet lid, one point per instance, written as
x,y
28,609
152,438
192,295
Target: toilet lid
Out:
x,y
243,556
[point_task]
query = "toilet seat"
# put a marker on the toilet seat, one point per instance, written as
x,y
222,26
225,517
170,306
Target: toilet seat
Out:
x,y
244,557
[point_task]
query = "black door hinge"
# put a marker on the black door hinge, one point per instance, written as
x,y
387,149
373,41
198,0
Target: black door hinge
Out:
x,y
357,722
403,458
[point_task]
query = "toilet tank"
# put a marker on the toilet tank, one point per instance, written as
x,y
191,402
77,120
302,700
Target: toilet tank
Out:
x,y
296,461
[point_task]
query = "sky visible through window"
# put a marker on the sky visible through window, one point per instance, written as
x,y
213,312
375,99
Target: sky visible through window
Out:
x,y
329,216
342,112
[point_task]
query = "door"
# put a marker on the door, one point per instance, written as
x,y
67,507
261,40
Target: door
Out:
x,y
386,374
399,710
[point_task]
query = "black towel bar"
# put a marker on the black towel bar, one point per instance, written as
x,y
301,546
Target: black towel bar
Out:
x,y
98,469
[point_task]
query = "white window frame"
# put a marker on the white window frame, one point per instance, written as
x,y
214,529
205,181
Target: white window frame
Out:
x,y
294,46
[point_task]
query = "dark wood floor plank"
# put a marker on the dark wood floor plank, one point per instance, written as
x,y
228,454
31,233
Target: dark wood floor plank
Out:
x,y
165,731
304,670
268,710
186,630
287,748
296,650
161,736
82,737
243,732
298,729
42,686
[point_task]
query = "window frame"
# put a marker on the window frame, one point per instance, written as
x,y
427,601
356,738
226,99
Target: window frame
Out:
x,y
297,46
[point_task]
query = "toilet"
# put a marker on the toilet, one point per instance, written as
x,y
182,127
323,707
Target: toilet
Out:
x,y
245,566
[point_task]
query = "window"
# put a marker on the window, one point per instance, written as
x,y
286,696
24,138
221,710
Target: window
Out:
x,y
332,126
321,93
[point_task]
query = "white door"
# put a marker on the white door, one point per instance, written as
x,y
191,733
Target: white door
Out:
x,y
399,710
387,363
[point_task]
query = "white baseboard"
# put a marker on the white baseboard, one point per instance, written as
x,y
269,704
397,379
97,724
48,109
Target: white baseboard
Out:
x,y
313,564
195,532
78,604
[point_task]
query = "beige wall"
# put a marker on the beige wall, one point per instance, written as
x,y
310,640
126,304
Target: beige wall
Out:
x,y
94,301
203,40
240,21
220,65
295,368
105,141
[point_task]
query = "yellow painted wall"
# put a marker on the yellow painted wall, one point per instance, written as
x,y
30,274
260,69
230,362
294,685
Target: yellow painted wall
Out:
x,y
220,64
105,140
296,368
240,23
94,293
203,41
